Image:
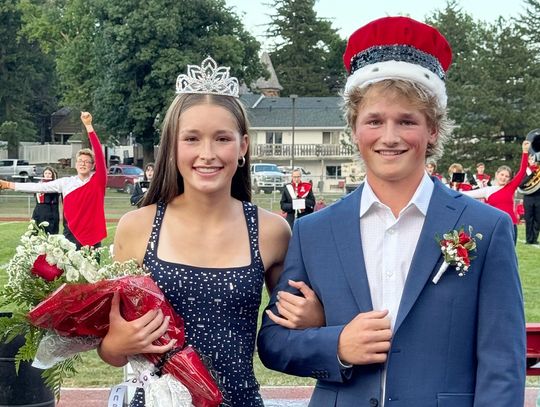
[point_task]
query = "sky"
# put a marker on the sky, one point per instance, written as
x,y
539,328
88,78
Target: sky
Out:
x,y
347,19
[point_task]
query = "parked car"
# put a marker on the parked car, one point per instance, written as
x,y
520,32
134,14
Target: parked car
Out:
x,y
266,177
18,170
124,177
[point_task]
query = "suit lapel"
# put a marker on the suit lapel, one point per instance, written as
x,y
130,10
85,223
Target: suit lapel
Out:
x,y
442,216
346,232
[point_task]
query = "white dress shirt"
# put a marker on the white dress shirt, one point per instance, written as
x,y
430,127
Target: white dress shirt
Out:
x,y
389,243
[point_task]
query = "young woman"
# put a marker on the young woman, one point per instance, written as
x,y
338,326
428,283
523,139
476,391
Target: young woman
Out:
x,y
141,187
501,195
208,248
46,209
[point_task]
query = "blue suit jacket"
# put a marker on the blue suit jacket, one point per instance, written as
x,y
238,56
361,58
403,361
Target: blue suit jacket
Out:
x,y
458,343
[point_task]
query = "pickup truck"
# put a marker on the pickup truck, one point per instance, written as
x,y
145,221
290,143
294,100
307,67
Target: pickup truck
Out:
x,y
267,178
17,170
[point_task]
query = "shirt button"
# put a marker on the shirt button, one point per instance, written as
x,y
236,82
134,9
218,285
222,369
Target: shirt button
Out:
x,y
391,231
373,402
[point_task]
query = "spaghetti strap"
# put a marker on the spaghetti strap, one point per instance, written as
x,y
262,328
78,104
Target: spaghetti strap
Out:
x,y
252,220
151,247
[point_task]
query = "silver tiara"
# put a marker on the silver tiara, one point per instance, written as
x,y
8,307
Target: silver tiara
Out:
x,y
207,78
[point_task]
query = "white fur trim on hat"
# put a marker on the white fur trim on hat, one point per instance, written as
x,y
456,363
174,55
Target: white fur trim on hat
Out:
x,y
398,70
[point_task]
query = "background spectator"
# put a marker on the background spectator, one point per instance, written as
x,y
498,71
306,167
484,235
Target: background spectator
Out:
x,y
141,187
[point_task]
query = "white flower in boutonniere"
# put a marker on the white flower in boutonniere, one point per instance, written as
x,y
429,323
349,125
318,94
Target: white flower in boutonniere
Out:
x,y
456,247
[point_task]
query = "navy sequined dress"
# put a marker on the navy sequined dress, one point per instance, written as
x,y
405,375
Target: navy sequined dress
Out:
x,y
220,310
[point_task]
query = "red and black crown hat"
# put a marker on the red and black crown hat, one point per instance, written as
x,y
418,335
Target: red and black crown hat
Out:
x,y
398,48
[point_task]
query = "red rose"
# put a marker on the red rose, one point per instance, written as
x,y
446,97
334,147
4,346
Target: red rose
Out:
x,y
464,254
464,238
44,270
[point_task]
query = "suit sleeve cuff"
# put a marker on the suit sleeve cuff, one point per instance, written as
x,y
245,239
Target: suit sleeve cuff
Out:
x,y
343,365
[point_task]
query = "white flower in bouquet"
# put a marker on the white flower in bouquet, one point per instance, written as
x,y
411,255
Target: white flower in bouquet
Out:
x,y
88,269
41,264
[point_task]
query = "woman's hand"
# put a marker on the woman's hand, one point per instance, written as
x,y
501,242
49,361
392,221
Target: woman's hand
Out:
x,y
298,312
525,146
126,338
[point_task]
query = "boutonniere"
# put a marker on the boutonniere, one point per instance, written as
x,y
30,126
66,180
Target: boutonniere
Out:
x,y
457,247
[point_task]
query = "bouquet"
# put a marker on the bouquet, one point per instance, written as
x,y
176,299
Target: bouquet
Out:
x,y
63,299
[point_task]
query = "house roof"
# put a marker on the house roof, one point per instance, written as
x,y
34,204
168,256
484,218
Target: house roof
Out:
x,y
310,112
272,82
66,121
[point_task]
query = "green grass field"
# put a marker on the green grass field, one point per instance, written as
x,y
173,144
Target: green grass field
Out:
x,y
95,373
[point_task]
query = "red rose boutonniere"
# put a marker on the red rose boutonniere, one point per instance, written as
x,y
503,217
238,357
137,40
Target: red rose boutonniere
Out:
x,y
456,247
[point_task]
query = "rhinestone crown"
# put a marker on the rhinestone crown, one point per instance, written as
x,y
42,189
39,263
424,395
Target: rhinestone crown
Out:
x,y
207,78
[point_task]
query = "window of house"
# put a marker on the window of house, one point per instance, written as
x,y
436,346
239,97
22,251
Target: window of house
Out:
x,y
333,171
330,137
274,137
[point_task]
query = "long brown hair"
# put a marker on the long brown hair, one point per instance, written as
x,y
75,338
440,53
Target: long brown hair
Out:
x,y
168,183
52,170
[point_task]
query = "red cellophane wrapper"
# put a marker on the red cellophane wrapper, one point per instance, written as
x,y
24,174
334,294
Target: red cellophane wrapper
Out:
x,y
83,310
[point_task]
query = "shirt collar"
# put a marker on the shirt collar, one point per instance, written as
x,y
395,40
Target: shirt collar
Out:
x,y
420,198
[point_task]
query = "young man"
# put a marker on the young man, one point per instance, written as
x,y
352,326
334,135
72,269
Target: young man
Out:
x,y
482,180
297,198
83,194
431,168
402,327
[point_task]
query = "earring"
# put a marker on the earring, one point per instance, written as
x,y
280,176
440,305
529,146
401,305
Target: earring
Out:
x,y
241,162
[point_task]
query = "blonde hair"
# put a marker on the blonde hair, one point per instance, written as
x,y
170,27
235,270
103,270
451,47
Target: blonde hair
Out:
x,y
419,98
504,168
455,167
88,152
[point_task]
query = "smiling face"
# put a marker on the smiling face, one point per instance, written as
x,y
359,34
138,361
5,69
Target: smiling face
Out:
x,y
209,147
502,176
392,136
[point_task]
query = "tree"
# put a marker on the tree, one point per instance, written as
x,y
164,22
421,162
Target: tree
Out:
x,y
307,50
27,76
120,58
529,22
491,86
70,31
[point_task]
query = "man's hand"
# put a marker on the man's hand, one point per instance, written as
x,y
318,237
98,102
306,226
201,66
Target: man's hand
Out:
x,y
6,184
366,339
86,118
